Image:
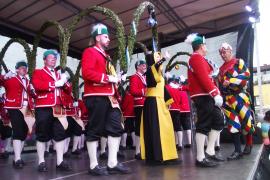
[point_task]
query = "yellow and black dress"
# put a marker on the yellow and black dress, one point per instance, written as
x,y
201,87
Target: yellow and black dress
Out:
x,y
157,134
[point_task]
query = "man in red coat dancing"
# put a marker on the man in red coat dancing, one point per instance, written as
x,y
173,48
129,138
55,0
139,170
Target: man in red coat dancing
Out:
x,y
18,102
138,90
51,121
207,99
100,92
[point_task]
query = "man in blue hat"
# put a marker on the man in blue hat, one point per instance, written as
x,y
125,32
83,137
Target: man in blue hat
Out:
x,y
51,121
19,103
138,90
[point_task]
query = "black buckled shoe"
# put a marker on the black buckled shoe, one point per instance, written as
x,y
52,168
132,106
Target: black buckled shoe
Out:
x,y
42,167
120,154
103,155
247,150
187,146
66,155
217,148
206,163
119,169
18,164
234,156
179,148
98,171
172,162
46,153
122,148
77,152
63,166
215,157
138,156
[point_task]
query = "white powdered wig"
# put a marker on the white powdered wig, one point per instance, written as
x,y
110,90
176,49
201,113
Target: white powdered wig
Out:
x,y
225,46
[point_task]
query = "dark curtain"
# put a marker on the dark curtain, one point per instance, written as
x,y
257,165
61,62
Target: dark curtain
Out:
x,y
245,46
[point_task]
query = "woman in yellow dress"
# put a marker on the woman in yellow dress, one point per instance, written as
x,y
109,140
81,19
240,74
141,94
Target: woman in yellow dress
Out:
x,y
157,134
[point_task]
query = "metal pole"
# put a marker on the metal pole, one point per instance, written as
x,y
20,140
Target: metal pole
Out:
x,y
258,69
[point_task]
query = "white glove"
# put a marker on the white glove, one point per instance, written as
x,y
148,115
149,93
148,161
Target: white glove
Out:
x,y
75,104
9,74
175,86
124,77
59,83
218,100
65,77
113,79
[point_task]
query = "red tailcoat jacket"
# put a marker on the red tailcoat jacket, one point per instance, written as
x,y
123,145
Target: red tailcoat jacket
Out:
x,y
94,73
200,77
137,84
127,105
175,94
14,92
44,84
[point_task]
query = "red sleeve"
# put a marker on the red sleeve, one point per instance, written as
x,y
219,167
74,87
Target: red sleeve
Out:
x,y
199,67
89,64
135,90
41,84
184,88
67,88
124,103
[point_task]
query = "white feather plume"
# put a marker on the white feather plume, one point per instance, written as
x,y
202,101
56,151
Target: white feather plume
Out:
x,y
190,38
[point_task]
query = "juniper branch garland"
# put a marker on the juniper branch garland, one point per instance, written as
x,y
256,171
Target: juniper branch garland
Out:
x,y
27,51
120,31
136,18
75,82
169,66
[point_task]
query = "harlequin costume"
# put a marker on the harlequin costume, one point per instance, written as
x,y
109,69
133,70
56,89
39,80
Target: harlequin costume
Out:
x,y
237,107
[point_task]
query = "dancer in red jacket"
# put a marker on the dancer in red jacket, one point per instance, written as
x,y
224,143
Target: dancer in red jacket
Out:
x,y
207,99
138,91
127,107
100,92
19,103
51,121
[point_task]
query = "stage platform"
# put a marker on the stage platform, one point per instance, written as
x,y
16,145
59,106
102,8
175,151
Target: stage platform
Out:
x,y
243,169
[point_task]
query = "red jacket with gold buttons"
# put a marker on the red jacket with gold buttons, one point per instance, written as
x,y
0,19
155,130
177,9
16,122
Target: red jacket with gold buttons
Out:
x,y
96,80
68,100
200,79
14,92
176,95
127,105
137,85
44,84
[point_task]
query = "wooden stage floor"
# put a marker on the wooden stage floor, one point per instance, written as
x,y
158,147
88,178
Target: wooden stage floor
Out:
x,y
242,169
